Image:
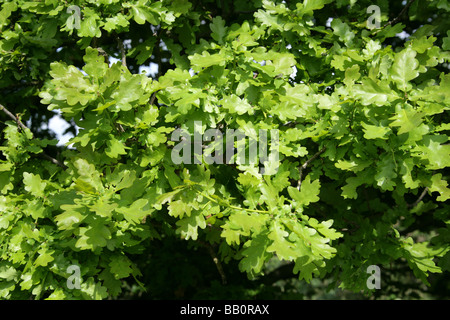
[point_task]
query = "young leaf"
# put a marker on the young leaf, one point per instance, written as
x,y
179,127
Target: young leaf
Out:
x,y
404,68
34,184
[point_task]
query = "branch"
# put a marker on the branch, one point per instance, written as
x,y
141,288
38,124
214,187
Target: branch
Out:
x,y
13,117
420,198
103,53
53,160
397,18
157,52
122,52
216,261
307,162
23,127
152,98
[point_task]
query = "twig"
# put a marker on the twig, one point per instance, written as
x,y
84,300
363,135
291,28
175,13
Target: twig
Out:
x,y
420,198
47,157
152,98
307,162
103,54
216,261
24,128
397,18
157,52
13,117
122,52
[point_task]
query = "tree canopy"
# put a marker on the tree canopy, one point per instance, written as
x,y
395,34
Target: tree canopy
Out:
x,y
354,93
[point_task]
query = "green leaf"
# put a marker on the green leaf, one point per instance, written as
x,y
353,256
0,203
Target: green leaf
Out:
x,y
93,237
142,14
404,68
310,5
406,118
188,226
283,63
206,60
120,267
179,208
95,63
349,190
325,229
89,26
406,168
375,132
439,185
420,258
266,19
371,92
93,290
255,254
230,235
34,184
436,154
119,20
7,272
353,165
309,192
422,44
137,211
129,91
446,42
109,281
269,194
36,209
103,208
44,258
281,246
237,105
71,217
306,266
342,30
218,29
386,173
5,13
114,147
89,178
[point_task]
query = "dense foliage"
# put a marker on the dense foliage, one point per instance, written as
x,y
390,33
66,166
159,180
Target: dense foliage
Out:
x,y
362,116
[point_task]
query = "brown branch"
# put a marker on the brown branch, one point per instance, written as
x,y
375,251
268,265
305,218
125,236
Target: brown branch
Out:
x,y
397,18
122,52
157,52
152,98
307,162
24,128
13,117
103,54
420,198
53,160
216,261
